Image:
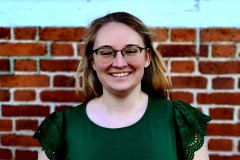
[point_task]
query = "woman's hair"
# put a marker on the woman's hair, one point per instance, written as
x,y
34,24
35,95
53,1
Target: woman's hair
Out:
x,y
154,81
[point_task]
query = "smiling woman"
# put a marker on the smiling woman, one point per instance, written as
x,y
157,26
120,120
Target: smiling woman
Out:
x,y
126,114
120,36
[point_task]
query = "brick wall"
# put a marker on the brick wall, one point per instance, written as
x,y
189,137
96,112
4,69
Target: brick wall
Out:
x,y
37,68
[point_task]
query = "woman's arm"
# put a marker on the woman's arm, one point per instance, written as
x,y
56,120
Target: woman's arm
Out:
x,y
42,156
202,153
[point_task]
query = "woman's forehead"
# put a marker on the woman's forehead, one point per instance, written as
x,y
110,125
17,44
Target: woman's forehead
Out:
x,y
117,34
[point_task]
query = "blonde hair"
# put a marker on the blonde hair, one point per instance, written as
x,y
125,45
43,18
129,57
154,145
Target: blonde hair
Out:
x,y
154,82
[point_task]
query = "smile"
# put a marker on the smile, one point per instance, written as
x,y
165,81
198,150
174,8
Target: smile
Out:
x,y
120,74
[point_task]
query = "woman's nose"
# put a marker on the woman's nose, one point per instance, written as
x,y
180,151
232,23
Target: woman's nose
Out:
x,y
119,60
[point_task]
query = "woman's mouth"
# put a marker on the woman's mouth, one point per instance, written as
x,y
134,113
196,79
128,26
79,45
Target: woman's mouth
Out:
x,y
122,74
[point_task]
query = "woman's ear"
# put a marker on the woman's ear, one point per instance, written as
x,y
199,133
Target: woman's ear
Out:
x,y
148,58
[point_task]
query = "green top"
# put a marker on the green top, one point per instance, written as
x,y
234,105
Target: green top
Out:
x,y
167,131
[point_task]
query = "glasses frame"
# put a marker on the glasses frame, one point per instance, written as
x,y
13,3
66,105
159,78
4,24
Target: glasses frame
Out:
x,y
121,51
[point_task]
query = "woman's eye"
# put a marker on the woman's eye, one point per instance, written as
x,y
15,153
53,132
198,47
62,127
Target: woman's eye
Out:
x,y
131,51
105,52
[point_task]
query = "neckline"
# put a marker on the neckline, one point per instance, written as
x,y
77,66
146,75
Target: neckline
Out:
x,y
120,128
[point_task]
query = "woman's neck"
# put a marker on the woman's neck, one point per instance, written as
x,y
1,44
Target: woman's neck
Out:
x,y
123,103
117,111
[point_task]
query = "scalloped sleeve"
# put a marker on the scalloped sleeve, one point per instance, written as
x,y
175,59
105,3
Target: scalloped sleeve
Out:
x,y
50,135
190,128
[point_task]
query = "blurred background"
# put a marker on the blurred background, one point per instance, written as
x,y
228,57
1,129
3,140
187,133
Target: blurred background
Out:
x,y
41,44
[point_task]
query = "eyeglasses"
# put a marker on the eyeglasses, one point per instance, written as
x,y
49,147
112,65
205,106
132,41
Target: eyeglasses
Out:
x,y
106,54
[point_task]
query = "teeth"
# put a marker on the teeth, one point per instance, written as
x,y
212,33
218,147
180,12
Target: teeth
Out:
x,y
120,74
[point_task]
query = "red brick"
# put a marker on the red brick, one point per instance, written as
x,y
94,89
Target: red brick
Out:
x,y
224,50
228,67
24,95
24,81
183,35
221,113
62,49
184,96
5,125
219,98
5,154
25,110
182,50
189,82
5,33
26,125
182,66
18,140
220,145
220,34
25,65
22,49
26,155
4,95
159,34
222,83
224,157
4,65
223,129
61,96
63,81
80,49
62,33
25,33
59,65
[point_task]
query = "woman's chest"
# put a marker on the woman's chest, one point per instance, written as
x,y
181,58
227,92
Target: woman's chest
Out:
x,y
143,142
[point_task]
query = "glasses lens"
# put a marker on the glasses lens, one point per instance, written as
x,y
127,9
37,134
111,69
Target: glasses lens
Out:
x,y
105,54
131,51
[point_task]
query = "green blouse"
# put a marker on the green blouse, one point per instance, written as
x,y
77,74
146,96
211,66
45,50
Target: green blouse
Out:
x,y
167,131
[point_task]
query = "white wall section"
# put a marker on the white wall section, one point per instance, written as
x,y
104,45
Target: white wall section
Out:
x,y
160,13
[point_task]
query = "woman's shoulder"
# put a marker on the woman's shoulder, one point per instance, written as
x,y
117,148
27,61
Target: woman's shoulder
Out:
x,y
160,102
182,110
190,124
50,132
74,110
160,106
185,113
53,123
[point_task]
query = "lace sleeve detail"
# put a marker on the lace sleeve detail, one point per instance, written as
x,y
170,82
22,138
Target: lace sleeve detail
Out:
x,y
49,134
191,128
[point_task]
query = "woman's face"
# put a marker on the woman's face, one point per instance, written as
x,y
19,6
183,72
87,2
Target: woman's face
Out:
x,y
122,74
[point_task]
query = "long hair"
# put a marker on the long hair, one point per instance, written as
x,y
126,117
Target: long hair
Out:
x,y
154,81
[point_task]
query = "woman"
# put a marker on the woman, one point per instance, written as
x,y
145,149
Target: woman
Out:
x,y
126,114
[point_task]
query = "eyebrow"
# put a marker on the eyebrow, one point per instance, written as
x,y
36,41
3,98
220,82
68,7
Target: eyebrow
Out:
x,y
128,45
